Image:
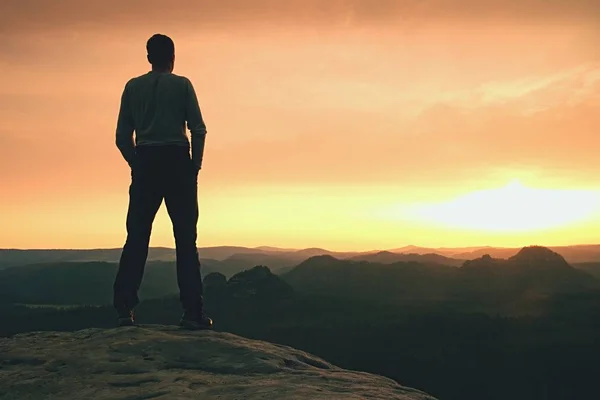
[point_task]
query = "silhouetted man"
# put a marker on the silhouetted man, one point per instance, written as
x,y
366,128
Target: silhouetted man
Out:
x,y
157,106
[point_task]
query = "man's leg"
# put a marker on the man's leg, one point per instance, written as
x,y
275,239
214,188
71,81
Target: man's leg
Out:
x,y
181,199
145,198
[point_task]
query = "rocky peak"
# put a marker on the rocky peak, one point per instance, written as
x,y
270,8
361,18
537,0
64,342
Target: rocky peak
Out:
x,y
538,256
163,362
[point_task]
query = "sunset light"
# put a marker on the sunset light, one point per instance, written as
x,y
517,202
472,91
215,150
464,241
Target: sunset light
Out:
x,y
350,124
512,208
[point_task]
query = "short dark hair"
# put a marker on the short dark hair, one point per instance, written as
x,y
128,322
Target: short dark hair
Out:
x,y
161,50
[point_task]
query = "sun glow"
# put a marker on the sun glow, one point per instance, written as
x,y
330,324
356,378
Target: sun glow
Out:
x,y
512,208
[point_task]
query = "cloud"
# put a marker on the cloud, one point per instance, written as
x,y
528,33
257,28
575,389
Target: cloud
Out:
x,y
322,109
535,93
543,125
43,16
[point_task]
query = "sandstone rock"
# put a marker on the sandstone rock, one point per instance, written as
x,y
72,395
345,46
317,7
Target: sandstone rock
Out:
x,y
164,362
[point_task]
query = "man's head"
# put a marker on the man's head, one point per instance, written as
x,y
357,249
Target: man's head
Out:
x,y
161,52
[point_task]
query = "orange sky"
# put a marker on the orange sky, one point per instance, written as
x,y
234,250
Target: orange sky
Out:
x,y
349,124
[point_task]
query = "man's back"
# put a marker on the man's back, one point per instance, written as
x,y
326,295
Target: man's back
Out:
x,y
157,106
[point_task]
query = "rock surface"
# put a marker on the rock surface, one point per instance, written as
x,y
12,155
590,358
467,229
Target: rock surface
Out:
x,y
163,362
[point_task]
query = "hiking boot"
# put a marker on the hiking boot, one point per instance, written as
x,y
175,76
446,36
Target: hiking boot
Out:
x,y
126,317
195,321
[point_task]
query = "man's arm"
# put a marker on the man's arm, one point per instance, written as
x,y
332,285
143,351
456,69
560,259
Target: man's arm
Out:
x,y
196,126
125,129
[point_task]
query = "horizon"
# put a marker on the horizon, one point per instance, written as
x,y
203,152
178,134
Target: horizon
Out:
x,y
356,125
267,248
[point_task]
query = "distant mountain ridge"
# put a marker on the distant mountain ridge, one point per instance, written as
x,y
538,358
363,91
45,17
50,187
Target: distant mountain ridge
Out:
x,y
519,284
283,259
387,257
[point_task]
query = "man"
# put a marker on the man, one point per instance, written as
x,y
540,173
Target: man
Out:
x,y
157,106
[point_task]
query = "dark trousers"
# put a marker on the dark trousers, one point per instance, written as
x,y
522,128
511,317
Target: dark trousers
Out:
x,y
161,172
